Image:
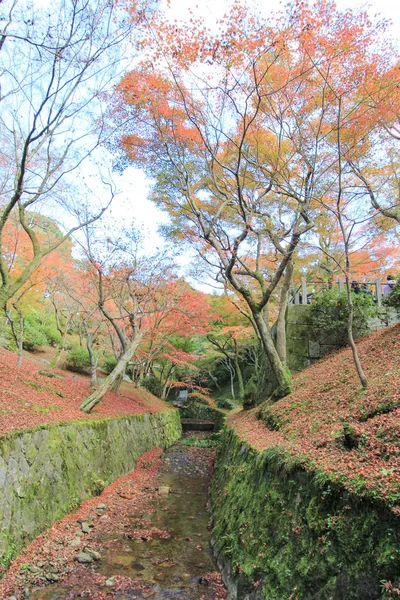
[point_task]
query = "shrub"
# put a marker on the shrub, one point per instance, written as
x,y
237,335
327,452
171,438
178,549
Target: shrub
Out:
x,y
202,399
109,364
393,299
329,313
52,334
152,385
33,337
224,403
78,360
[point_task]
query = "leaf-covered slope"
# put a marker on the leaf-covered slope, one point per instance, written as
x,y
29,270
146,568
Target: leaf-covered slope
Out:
x,y
330,424
28,398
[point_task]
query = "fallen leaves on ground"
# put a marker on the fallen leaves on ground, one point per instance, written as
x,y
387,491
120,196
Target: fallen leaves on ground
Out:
x,y
330,422
29,398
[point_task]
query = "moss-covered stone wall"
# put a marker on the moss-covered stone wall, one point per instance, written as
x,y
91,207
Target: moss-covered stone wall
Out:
x,y
47,471
197,410
283,533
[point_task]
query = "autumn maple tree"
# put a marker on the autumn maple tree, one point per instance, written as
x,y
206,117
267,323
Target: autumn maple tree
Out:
x,y
238,129
17,252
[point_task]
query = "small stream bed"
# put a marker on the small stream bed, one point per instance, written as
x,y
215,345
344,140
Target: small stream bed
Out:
x,y
156,545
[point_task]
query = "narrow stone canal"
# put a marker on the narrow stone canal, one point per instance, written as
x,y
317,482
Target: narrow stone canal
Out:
x,y
147,536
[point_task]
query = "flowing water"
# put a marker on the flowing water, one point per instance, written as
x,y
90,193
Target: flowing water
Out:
x,y
178,566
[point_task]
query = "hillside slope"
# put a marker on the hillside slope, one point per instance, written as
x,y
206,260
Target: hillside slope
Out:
x,y
332,426
28,398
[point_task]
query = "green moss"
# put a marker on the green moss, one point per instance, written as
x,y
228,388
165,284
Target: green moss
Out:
x,y
65,463
197,410
301,534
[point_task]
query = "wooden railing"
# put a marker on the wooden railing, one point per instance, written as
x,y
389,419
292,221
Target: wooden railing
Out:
x,y
307,290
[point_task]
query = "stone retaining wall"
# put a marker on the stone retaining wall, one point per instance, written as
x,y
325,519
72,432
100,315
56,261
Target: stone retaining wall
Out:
x,y
282,532
47,471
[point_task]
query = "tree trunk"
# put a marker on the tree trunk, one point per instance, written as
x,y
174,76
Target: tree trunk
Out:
x,y
17,335
239,378
346,240
93,359
232,374
89,403
4,298
214,380
116,384
360,371
281,372
281,321
61,347
20,339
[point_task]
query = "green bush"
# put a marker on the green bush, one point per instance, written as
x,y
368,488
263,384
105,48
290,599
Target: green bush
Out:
x,y
223,403
109,364
152,385
393,299
52,334
78,360
329,313
33,337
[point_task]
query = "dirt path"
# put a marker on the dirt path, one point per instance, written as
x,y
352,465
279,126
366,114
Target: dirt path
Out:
x,y
146,536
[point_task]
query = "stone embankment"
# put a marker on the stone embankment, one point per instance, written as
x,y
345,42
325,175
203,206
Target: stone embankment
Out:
x,y
45,472
282,532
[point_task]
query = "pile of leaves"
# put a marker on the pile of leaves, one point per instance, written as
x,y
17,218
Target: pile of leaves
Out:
x,y
31,395
331,425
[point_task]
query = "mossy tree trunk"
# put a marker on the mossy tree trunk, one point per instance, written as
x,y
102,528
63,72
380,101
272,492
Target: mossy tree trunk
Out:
x,y
89,403
94,359
283,304
17,333
280,370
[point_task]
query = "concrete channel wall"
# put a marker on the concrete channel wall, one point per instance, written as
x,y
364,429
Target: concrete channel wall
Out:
x,y
47,471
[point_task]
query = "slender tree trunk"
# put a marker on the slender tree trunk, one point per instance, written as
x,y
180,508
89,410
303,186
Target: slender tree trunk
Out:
x,y
93,359
214,380
17,335
93,375
356,358
89,403
61,346
239,375
20,339
232,383
281,321
346,240
4,298
166,377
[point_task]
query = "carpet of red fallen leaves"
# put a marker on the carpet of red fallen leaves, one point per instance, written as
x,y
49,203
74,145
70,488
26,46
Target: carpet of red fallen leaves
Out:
x,y
353,435
28,398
